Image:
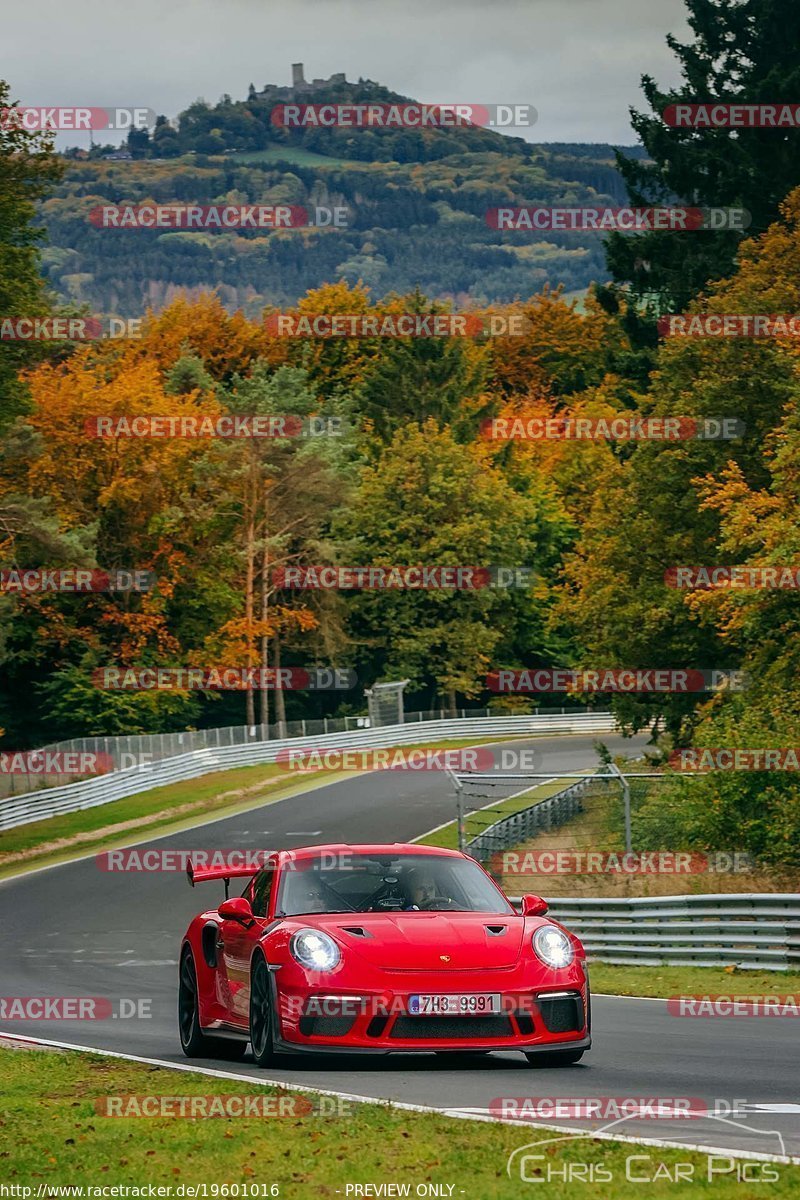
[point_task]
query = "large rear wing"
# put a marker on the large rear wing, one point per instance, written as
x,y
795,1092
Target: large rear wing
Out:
x,y
225,873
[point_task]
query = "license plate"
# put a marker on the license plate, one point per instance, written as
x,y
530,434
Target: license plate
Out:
x,y
454,1004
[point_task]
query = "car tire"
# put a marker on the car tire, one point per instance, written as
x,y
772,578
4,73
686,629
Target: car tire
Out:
x,y
195,1043
261,1015
555,1058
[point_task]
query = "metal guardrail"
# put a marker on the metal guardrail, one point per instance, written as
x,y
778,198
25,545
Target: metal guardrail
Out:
x,y
73,797
520,826
756,931
129,750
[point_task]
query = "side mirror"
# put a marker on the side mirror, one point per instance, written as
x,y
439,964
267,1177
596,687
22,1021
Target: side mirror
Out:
x,y
236,909
533,906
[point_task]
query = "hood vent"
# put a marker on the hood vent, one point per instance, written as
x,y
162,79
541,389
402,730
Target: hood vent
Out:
x,y
496,930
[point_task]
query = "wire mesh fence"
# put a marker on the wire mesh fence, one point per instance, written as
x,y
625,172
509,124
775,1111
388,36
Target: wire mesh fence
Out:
x,y
499,814
572,836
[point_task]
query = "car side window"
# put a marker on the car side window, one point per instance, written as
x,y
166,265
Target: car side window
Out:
x,y
260,889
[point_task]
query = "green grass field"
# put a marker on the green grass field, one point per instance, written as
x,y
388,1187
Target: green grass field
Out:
x,y
55,1134
292,154
691,981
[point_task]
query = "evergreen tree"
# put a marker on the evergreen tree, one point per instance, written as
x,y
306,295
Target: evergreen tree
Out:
x,y
28,167
744,51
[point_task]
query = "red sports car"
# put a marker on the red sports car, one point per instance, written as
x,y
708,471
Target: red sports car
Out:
x,y
379,948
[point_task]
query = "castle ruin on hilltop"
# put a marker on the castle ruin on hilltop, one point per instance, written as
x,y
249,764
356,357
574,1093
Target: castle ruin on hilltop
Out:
x,y
300,85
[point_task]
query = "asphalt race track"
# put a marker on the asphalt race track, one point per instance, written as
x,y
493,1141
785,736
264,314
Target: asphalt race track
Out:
x,y
74,930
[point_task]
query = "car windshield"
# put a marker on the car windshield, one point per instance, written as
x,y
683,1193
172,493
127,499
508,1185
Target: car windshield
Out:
x,y
345,882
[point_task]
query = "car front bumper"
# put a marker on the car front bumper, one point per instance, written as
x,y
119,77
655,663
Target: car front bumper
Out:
x,y
536,1018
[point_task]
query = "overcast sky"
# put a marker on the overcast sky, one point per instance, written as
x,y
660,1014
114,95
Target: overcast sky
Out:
x,y
577,61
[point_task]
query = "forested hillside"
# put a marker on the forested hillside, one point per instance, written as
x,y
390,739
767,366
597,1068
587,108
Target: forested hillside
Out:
x,y
416,201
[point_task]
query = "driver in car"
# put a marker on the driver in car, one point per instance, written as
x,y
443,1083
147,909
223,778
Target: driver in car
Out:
x,y
421,890
306,894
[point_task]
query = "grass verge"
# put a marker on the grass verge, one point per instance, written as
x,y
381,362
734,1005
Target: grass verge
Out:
x,y
54,1136
692,981
160,810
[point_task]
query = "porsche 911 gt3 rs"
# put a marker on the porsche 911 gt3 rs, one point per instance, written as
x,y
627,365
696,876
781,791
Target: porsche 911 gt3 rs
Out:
x,y
378,948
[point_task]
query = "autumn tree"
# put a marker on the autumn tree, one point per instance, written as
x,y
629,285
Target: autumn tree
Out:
x,y
113,502
563,349
335,365
652,516
431,500
275,496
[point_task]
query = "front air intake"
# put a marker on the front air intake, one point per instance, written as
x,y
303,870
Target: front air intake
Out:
x,y
561,1014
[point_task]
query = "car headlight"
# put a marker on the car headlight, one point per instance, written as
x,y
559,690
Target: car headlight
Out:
x,y
314,950
553,946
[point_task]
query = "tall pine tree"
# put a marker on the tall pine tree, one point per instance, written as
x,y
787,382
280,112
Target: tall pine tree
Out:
x,y
28,168
744,51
